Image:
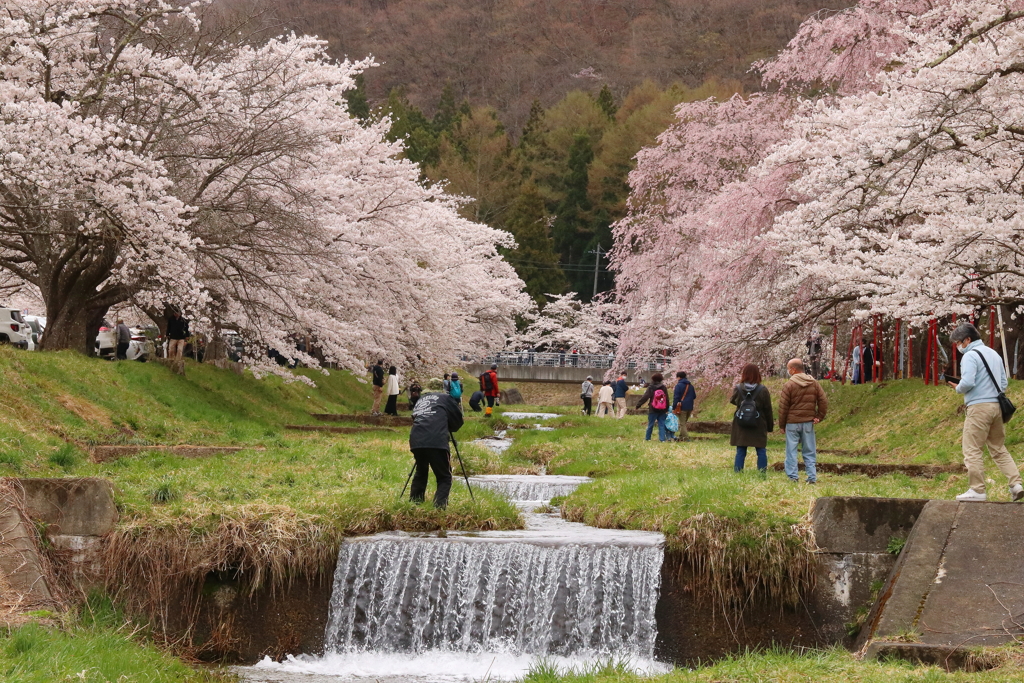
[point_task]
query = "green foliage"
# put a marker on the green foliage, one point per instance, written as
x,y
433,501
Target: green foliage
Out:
x,y
90,653
65,457
358,104
895,545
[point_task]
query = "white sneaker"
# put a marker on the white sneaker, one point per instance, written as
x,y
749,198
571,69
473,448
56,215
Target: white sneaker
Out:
x,y
1016,492
972,496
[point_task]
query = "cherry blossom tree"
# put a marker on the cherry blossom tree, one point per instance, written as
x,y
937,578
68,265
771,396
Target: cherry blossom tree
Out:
x,y
565,322
895,190
147,158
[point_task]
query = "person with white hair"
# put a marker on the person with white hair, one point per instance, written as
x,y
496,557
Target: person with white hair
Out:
x,y
587,394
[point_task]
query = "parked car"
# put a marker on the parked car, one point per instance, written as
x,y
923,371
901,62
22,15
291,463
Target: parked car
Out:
x,y
13,329
140,348
37,323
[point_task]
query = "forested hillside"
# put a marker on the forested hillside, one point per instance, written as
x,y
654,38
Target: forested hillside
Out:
x,y
534,110
507,53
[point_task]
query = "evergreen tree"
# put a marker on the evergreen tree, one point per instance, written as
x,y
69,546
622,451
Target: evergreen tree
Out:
x,y
606,101
355,99
448,113
572,229
409,124
534,258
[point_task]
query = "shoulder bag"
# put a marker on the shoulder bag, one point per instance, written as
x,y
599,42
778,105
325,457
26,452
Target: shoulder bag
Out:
x,y
1005,404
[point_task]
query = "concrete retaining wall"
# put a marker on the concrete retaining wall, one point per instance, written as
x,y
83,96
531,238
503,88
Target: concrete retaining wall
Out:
x,y
534,373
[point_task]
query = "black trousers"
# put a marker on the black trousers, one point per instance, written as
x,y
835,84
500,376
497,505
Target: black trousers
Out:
x,y
440,461
588,402
391,407
122,351
490,401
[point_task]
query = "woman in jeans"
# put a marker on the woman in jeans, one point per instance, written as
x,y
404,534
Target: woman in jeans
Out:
x,y
657,394
744,437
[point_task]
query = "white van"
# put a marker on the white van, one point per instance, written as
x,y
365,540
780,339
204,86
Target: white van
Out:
x,y
13,328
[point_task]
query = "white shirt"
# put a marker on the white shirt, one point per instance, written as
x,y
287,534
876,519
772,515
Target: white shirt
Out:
x,y
605,394
393,385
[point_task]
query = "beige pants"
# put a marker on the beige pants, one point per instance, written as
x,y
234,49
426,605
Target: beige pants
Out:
x,y
603,409
620,408
175,348
377,391
984,425
683,418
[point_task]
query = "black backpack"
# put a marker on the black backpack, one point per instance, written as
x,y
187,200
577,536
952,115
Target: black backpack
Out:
x,y
747,414
485,382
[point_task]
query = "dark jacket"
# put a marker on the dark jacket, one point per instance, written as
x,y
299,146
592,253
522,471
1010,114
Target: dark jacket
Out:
x,y
756,437
684,393
124,335
649,395
177,328
619,388
475,400
378,375
434,417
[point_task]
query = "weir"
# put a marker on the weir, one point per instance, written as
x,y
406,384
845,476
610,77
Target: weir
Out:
x,y
556,590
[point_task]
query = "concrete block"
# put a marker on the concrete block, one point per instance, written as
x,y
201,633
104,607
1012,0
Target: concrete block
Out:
x,y
84,555
843,587
20,562
73,506
958,581
862,525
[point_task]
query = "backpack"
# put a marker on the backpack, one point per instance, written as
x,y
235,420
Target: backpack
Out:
x,y
660,399
415,391
747,414
485,382
455,391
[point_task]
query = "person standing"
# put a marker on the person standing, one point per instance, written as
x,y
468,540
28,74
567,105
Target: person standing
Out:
x,y
753,419
415,391
867,363
982,382
856,358
489,385
434,419
587,394
378,386
619,391
657,395
682,403
802,405
604,399
446,383
177,333
393,391
124,340
455,388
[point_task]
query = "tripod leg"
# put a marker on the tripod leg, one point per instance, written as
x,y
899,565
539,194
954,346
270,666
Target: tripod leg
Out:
x,y
407,480
463,466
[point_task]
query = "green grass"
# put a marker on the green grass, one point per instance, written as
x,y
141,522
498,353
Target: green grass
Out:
x,y
95,646
779,666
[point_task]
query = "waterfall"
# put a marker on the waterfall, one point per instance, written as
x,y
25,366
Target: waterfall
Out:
x,y
523,488
414,595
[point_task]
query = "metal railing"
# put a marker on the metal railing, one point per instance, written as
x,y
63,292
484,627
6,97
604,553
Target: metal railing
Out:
x,y
598,361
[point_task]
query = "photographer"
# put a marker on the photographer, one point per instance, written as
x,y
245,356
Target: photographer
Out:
x,y
434,418
982,381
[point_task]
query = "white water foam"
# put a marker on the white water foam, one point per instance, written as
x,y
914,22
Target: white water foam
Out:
x,y
440,667
529,416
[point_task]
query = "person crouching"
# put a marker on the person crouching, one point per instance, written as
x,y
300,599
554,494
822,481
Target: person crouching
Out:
x,y
434,418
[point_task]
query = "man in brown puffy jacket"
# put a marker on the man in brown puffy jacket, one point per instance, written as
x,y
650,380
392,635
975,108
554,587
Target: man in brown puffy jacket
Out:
x,y
802,405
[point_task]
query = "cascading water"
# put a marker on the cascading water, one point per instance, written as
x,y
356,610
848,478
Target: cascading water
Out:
x,y
489,604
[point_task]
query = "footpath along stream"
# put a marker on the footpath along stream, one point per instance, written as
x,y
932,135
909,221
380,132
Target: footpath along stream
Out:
x,y
487,605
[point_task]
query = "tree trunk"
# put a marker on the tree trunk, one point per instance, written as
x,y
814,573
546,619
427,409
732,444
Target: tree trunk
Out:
x,y
72,326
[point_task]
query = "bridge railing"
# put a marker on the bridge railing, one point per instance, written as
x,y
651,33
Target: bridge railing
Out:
x,y
599,361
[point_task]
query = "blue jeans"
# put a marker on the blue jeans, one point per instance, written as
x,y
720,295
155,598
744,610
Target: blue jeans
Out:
x,y
802,434
660,417
741,457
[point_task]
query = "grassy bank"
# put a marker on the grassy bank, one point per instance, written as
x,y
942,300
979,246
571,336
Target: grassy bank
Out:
x,y
833,666
93,645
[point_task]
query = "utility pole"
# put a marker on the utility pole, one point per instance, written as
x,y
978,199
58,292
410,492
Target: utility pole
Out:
x,y
597,265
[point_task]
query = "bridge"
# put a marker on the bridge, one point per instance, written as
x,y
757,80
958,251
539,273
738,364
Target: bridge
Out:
x,y
551,367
